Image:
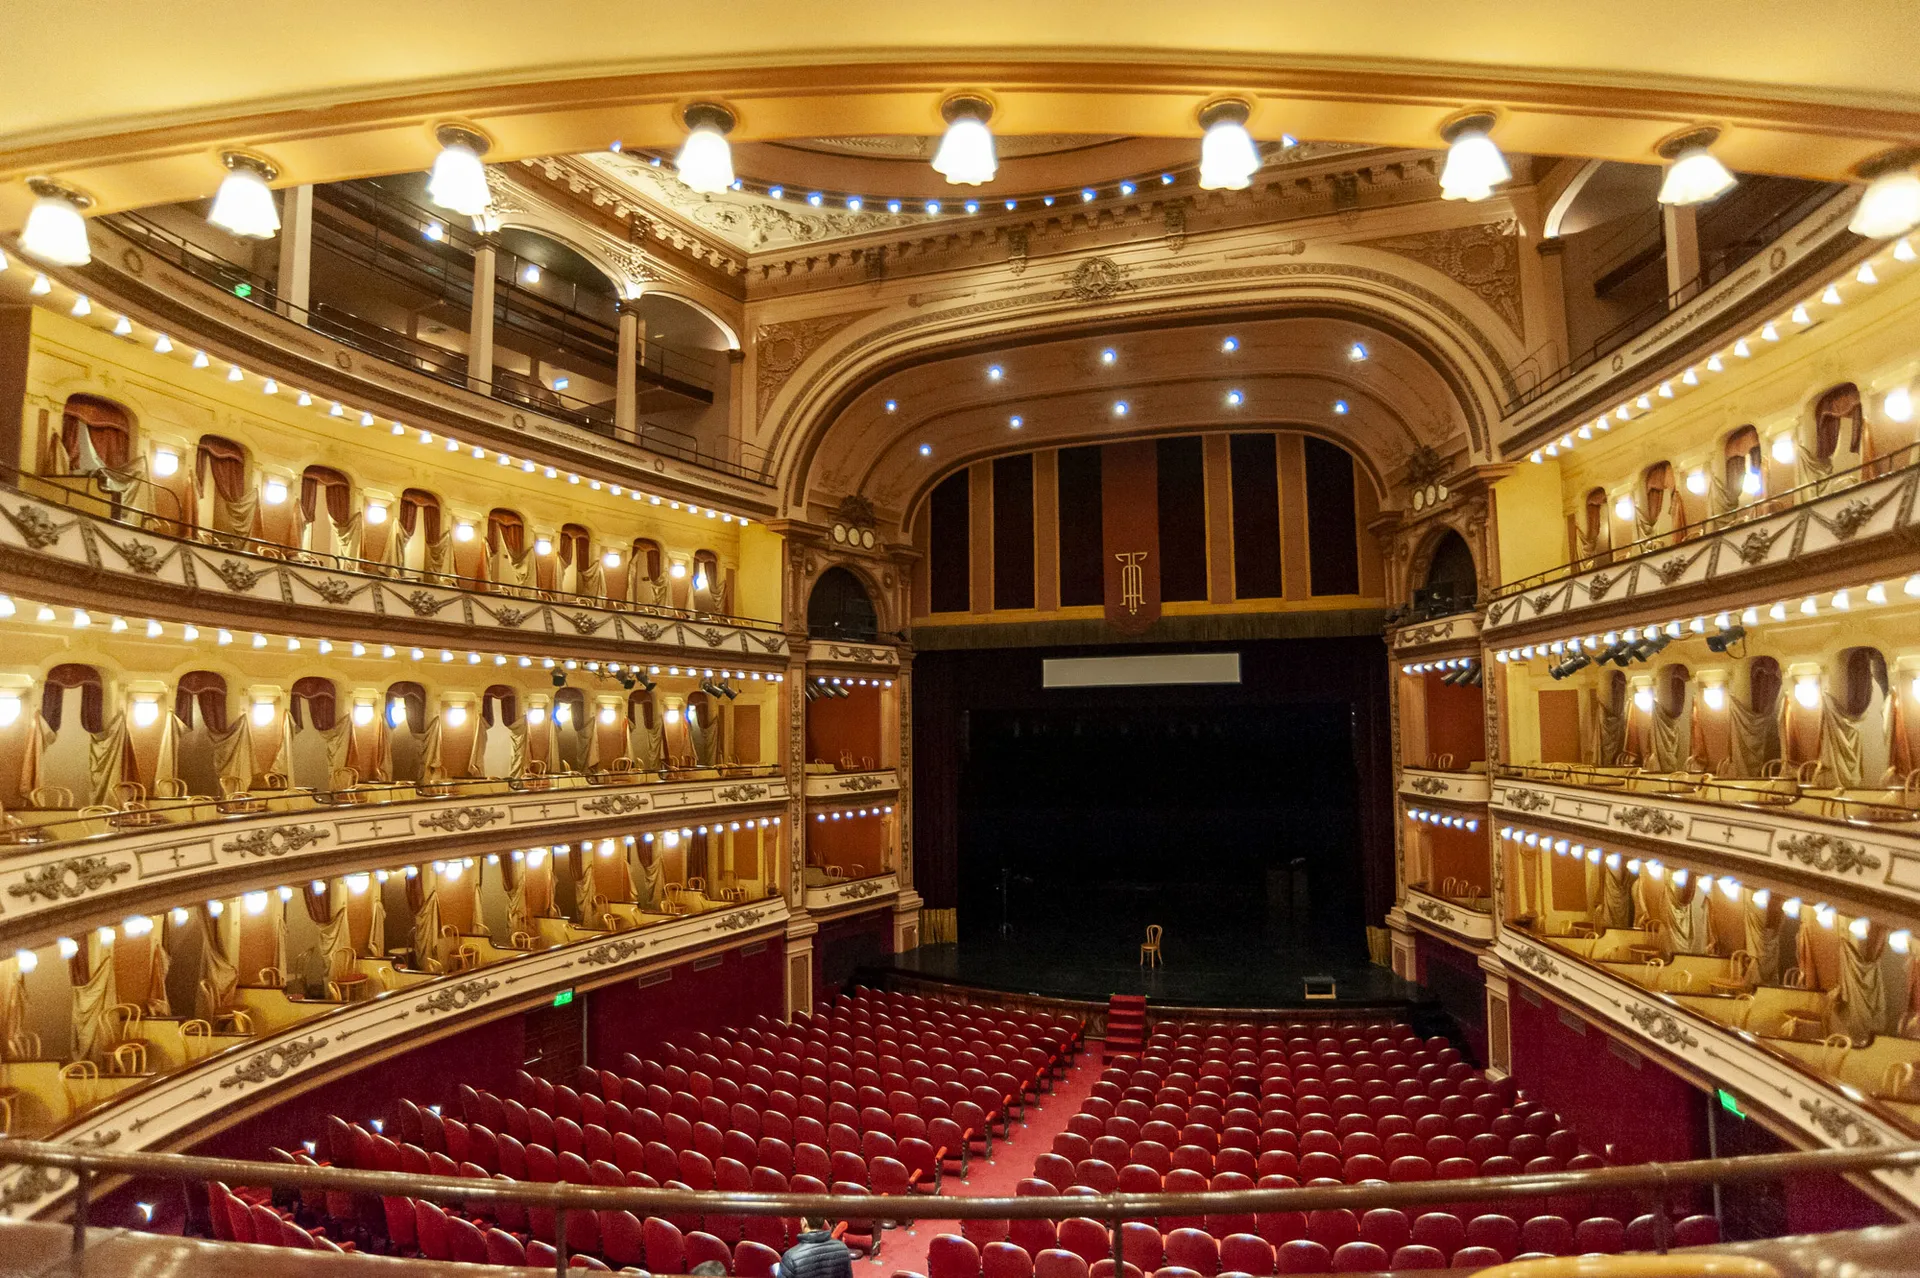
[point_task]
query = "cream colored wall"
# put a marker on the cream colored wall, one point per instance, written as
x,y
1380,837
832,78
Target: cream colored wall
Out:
x,y
1532,534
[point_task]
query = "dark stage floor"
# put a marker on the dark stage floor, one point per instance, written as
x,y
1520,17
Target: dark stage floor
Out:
x,y
1233,971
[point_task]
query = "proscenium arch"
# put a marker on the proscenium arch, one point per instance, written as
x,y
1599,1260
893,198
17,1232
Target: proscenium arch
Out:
x,y
1363,464
1472,364
843,371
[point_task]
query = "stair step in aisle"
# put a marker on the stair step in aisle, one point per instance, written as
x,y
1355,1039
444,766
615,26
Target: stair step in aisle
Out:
x,y
1126,1025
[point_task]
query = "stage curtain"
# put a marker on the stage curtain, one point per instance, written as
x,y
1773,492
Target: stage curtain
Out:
x,y
376,920
110,759
1763,939
588,903
94,997
233,752
219,952
159,963
1862,1002
1842,740
423,898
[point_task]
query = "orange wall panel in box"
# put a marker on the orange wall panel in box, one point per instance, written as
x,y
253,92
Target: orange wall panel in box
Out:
x,y
845,725
1454,723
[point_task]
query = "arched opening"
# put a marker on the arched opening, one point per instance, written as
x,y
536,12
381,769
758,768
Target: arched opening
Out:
x,y
507,558
840,608
1451,584
200,703
571,729
327,521
709,587
1592,533
1742,476
406,712
73,708
312,707
225,500
684,383
647,574
95,434
419,539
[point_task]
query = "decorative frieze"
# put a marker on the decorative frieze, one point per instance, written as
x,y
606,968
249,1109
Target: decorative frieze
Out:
x,y
840,895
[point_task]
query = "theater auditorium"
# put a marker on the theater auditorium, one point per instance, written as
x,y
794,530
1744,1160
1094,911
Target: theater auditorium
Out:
x,y
1087,641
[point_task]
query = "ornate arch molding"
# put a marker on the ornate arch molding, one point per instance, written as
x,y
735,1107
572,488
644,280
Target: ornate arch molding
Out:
x,y
1468,519
884,581
1469,361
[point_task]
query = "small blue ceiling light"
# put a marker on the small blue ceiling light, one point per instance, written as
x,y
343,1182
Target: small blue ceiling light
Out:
x,y
1016,421
1287,139
1109,355
972,206
1357,352
776,192
926,450
1235,399
995,372
892,405
1230,345
855,204
1121,408
1012,204
893,206
1086,194
1126,188
1047,200
1339,408
655,162
614,146
1166,179
933,206
816,199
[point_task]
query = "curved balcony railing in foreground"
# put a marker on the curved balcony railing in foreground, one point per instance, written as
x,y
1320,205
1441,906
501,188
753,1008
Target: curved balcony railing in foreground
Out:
x,y
53,1164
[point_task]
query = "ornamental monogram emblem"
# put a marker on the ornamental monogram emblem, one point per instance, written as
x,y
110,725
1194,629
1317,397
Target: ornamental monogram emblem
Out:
x,y
1662,1027
424,603
239,577
274,1063
456,997
1428,785
1648,821
734,922
1845,858
1096,280
1528,800
617,804
614,951
1133,578
741,793
461,820
277,841
68,879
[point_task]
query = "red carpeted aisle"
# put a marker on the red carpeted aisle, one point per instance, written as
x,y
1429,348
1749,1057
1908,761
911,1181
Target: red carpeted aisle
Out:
x,y
906,1249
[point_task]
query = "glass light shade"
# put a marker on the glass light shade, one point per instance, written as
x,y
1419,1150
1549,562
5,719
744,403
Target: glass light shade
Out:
x,y
1694,178
966,155
1474,167
705,161
56,232
456,716
1889,207
244,205
459,180
1228,157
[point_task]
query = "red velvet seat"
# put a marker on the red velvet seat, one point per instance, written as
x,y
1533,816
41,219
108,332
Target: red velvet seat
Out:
x,y
1086,1238
951,1256
1696,1231
1303,1256
1385,1227
702,1247
753,1260
1415,1256
1475,1258
1244,1253
1141,1245
1332,1227
1552,1235
1033,1236
665,1246
1602,1235
1097,1175
1194,1249
1005,1260
1496,1231
1359,1258
1441,1230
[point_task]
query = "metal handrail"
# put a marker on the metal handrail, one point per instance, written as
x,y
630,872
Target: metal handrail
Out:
x,y
57,488
1767,796
1906,457
86,1164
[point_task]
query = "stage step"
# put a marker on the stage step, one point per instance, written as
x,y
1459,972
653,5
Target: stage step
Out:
x,y
1126,1025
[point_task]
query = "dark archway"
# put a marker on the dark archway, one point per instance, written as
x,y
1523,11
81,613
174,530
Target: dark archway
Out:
x,y
840,608
1451,584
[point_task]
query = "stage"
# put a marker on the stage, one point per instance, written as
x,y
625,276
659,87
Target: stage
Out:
x,y
1207,969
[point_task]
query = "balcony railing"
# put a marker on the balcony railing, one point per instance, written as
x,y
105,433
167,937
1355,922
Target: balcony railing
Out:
x,y
1796,791
1897,462
557,327
87,495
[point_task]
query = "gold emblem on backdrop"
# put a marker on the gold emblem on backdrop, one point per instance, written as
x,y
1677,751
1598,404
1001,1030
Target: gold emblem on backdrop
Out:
x,y
1133,580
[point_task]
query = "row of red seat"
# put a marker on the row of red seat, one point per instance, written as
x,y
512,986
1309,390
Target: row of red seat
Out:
x,y
250,1218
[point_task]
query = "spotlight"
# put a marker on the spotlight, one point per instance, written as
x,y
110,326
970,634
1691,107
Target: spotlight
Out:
x,y
1725,639
1474,164
459,180
1694,176
559,678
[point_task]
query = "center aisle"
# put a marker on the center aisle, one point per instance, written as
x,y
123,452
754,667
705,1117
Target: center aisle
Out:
x,y
906,1249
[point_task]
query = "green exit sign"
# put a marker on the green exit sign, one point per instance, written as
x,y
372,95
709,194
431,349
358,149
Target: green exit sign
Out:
x,y
1730,1102
565,997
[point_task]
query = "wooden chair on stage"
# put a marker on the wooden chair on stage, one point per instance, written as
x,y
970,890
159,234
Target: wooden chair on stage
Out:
x,y
1150,948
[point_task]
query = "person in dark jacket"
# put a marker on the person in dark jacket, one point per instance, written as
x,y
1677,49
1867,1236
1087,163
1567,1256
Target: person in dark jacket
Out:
x,y
817,1254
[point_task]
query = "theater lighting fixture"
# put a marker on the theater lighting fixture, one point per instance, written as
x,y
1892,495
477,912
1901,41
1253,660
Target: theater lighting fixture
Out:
x,y
1890,205
56,229
1474,164
459,180
1228,157
244,204
966,155
1694,176
705,162
1726,638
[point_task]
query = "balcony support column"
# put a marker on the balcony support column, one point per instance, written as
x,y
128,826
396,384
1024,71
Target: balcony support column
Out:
x,y
1681,226
480,325
295,278
626,392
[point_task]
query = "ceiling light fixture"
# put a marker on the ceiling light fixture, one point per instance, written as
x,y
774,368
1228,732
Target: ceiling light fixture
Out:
x,y
459,180
244,204
705,161
966,156
56,231
1228,157
1474,164
1890,205
1694,176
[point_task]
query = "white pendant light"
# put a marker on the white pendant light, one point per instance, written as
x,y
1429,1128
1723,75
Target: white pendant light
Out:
x,y
1228,157
966,155
244,204
1474,164
1694,176
705,161
459,180
1890,205
55,231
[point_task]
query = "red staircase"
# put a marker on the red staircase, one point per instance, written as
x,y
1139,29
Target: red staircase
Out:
x,y
1126,1025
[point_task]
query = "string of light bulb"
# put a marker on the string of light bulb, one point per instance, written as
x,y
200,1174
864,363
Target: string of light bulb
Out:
x,y
1801,317
56,230
1443,819
1900,940
853,814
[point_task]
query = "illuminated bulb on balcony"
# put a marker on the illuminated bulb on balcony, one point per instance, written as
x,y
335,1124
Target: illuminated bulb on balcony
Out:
x,y
1783,449
1858,928
1824,914
161,345
1900,942
234,374
1800,315
1829,298
1898,405
155,630
1769,333
1806,691
200,359
1623,508
1865,274
41,286
1715,696
1809,607
1749,482
1842,600
1697,482
123,327
1903,251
